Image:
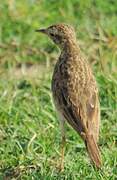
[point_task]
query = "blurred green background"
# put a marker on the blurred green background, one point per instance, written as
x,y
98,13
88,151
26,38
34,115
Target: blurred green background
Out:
x,y
29,128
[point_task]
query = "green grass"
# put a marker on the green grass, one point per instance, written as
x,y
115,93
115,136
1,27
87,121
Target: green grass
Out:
x,y
29,129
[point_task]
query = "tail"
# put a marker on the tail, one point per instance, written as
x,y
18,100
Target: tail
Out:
x,y
93,150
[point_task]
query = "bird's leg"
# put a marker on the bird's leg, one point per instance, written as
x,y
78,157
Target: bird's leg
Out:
x,y
62,124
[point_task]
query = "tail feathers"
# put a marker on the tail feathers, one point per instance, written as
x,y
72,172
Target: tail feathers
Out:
x,y
93,150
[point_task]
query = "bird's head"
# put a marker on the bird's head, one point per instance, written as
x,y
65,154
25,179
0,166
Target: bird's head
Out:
x,y
59,33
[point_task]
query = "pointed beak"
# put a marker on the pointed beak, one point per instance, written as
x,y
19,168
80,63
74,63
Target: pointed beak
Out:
x,y
41,30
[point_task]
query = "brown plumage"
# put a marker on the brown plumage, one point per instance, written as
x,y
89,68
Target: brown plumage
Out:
x,y
74,89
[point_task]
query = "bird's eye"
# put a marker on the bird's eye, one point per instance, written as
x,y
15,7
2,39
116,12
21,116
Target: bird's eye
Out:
x,y
52,34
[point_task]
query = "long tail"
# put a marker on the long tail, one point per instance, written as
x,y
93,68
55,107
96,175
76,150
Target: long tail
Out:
x,y
93,150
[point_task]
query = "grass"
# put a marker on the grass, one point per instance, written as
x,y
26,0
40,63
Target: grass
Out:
x,y
29,128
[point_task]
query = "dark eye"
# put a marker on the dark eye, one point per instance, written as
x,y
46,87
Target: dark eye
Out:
x,y
52,34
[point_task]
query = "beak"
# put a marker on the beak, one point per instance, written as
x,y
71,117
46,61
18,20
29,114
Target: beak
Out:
x,y
41,30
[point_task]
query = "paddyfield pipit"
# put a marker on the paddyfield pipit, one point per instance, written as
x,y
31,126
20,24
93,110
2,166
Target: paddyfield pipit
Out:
x,y
75,92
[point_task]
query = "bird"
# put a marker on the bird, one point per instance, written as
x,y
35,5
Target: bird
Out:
x,y
75,92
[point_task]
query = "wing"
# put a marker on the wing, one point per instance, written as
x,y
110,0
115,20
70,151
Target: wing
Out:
x,y
84,115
